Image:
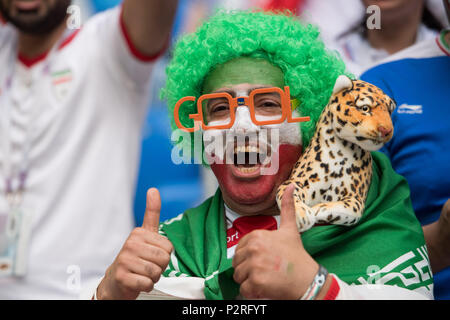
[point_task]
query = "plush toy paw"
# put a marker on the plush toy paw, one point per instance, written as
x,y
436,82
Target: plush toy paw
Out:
x,y
303,215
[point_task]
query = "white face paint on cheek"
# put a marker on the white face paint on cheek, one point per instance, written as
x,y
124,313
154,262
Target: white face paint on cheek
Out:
x,y
289,132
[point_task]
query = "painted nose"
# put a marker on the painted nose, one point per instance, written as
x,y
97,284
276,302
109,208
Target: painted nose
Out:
x,y
383,131
243,122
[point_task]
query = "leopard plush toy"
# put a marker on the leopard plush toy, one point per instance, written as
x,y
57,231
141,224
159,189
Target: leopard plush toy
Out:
x,y
333,175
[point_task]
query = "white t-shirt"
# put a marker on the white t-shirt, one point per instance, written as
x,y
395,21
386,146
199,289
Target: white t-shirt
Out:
x,y
84,104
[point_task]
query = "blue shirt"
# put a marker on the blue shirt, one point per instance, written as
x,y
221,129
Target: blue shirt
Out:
x,y
418,79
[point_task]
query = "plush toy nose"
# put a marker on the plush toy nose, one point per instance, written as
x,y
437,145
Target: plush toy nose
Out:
x,y
383,131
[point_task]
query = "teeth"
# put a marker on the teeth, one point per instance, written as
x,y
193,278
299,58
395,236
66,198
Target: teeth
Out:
x,y
247,170
246,149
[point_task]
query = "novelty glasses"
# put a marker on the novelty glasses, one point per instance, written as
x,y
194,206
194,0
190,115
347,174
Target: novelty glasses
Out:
x,y
266,105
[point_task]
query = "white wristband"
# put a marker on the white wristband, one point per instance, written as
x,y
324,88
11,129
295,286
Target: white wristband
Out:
x,y
316,284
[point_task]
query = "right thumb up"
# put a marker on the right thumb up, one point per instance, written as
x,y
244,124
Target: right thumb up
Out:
x,y
143,258
152,210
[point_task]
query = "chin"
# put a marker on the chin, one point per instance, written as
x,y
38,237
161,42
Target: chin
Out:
x,y
250,189
36,17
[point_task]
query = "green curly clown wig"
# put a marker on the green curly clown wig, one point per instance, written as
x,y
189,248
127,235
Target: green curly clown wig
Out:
x,y
309,69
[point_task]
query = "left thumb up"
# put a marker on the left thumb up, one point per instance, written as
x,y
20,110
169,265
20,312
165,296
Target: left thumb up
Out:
x,y
287,215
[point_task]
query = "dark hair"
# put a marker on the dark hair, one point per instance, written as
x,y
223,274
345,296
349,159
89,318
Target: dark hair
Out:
x,y
430,20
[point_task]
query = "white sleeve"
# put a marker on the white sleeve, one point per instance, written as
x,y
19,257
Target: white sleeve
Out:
x,y
375,292
90,290
167,288
116,51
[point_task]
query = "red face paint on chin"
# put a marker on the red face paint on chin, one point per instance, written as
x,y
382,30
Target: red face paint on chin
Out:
x,y
255,190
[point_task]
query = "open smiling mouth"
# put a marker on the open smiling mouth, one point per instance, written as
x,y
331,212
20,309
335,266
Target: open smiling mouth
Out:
x,y
247,159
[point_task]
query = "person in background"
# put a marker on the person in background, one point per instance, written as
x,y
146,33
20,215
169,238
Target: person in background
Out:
x,y
72,103
181,186
178,184
418,79
402,23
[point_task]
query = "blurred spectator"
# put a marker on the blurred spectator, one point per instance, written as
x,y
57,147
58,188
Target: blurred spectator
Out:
x,y
418,79
72,101
332,17
181,186
399,24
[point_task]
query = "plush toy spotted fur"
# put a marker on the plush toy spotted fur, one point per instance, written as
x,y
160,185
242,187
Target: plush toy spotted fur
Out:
x,y
333,175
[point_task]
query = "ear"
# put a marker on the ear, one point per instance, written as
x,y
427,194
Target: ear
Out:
x,y
342,82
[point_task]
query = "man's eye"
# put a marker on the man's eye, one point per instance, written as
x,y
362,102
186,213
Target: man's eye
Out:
x,y
219,108
268,104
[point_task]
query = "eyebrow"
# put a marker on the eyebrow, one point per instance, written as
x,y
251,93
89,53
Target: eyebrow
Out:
x,y
233,93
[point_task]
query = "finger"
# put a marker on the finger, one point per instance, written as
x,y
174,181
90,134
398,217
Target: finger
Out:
x,y
249,246
152,210
445,213
243,242
287,214
446,207
152,253
249,290
160,242
152,238
146,268
137,283
240,255
255,235
241,272
246,290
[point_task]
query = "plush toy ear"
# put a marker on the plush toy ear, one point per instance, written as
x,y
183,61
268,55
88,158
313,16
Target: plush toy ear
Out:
x,y
342,82
392,106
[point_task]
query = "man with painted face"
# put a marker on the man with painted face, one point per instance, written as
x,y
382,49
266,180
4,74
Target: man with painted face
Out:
x,y
239,243
73,97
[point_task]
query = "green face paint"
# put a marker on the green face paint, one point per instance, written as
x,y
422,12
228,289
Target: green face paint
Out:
x,y
290,268
243,70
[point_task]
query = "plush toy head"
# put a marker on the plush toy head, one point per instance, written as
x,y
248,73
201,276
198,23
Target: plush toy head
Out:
x,y
363,114
333,175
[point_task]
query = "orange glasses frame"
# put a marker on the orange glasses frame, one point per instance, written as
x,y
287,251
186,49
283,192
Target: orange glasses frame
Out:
x,y
234,103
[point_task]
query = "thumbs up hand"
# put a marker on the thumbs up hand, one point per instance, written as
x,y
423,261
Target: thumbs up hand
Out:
x,y
274,264
142,259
